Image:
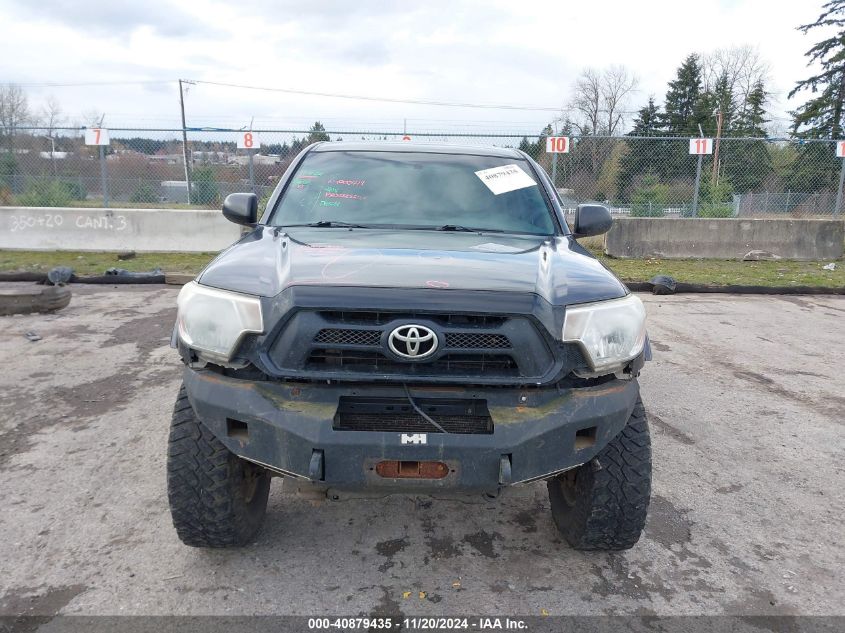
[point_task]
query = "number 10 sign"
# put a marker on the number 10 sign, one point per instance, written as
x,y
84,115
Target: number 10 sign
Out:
x,y
557,144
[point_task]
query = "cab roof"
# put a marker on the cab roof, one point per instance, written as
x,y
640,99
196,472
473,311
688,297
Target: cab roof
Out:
x,y
408,146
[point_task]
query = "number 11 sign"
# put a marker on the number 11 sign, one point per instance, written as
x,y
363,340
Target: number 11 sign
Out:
x,y
701,146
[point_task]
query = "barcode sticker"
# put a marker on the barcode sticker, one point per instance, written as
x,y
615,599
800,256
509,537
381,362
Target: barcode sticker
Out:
x,y
505,178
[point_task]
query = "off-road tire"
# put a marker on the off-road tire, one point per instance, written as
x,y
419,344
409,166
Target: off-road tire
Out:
x,y
602,505
216,498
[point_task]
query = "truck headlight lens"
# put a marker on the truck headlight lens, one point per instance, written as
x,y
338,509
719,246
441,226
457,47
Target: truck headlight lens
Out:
x,y
610,332
213,321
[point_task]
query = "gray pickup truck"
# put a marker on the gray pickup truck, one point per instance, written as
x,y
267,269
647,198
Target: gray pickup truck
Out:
x,y
417,319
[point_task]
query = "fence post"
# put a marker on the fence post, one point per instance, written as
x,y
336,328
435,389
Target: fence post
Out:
x,y
104,179
697,187
251,172
554,171
838,208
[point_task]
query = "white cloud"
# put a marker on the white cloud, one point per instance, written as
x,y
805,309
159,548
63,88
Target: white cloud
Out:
x,y
495,51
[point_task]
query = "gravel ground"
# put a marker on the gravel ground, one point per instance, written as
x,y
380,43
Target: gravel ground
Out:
x,y
746,409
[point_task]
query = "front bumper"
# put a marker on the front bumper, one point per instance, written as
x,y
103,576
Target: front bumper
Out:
x,y
288,427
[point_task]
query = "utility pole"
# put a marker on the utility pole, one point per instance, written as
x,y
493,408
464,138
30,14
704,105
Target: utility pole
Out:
x,y
250,152
104,173
715,178
185,141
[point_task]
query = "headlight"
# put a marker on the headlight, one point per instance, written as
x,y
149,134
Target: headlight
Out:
x,y
213,321
610,332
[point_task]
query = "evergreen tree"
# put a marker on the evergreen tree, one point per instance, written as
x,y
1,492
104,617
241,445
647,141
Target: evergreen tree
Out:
x,y
317,133
752,120
816,167
723,100
683,100
821,116
644,156
745,163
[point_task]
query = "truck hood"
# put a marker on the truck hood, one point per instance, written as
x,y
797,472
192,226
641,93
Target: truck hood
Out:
x,y
269,260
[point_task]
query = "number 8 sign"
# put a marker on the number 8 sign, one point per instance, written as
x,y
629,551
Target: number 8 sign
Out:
x,y
248,140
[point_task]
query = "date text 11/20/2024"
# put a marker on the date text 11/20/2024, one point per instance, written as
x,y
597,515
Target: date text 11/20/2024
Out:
x,y
420,624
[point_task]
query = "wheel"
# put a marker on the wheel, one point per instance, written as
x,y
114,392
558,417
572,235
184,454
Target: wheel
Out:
x,y
216,499
602,504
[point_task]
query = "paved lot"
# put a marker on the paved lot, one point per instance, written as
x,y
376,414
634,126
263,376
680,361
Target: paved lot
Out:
x,y
746,403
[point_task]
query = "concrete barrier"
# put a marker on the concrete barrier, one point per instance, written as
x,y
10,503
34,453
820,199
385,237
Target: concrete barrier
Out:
x,y
47,229
683,238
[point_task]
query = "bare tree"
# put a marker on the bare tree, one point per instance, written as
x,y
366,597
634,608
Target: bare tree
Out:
x,y
51,115
14,112
741,66
618,84
586,104
598,106
600,99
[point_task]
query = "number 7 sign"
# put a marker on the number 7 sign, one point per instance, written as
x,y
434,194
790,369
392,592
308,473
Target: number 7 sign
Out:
x,y
96,136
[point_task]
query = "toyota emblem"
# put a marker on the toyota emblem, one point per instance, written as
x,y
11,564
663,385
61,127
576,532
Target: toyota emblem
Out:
x,y
414,342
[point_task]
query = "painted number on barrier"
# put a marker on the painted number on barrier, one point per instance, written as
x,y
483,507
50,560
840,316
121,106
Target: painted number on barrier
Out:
x,y
248,140
557,145
96,136
701,146
840,149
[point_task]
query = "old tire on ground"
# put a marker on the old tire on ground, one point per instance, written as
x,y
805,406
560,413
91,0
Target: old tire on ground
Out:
x,y
602,505
216,498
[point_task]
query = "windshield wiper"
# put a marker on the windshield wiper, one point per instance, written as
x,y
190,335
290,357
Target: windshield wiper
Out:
x,y
332,223
466,229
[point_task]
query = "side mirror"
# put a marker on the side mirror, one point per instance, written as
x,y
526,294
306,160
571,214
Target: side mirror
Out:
x,y
592,219
241,208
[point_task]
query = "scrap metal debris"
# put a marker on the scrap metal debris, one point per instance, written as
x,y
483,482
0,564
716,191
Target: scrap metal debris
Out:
x,y
60,275
663,285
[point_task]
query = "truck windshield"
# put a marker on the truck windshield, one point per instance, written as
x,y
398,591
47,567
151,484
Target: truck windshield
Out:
x,y
415,190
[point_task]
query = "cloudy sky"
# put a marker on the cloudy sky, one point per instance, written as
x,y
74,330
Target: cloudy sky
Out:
x,y
492,52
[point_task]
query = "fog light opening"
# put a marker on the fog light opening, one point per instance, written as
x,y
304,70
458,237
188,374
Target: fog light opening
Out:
x,y
237,430
585,438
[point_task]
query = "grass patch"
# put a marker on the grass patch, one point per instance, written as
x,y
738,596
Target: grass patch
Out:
x,y
702,271
719,272
85,263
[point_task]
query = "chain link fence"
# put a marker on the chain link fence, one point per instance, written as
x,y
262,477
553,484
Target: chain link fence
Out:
x,y
637,176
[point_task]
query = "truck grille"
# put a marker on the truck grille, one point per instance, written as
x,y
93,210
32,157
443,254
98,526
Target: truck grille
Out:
x,y
348,337
352,345
454,340
377,362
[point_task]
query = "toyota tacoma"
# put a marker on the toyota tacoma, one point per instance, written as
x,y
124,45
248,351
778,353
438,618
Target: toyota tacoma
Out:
x,y
410,318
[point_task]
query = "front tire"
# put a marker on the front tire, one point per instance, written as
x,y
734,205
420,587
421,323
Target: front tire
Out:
x,y
216,499
602,505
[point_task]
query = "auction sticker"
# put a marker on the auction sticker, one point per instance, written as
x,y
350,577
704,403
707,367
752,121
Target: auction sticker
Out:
x,y
505,178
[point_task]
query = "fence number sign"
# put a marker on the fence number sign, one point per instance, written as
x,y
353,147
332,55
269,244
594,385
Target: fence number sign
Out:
x,y
840,149
701,146
248,140
96,136
557,144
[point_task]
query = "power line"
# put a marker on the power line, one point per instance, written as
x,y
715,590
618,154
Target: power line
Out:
x,y
486,106
83,84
